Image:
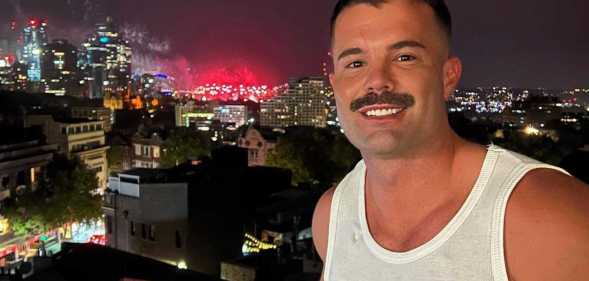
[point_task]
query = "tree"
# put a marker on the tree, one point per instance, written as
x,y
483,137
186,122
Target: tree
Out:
x,y
65,194
115,158
314,155
184,144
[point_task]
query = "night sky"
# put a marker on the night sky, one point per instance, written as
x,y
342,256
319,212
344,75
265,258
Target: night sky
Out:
x,y
524,43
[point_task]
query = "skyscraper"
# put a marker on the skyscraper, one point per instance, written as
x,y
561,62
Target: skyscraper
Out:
x,y
59,67
34,39
106,61
303,103
11,42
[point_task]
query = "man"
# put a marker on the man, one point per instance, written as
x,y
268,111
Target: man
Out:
x,y
424,204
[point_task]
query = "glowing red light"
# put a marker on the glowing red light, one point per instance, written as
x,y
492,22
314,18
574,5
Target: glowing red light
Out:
x,y
98,239
33,22
232,76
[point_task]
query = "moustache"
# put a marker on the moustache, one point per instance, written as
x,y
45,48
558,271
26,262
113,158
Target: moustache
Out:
x,y
387,97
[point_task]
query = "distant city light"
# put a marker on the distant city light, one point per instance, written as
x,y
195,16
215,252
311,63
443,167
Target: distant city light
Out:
x,y
182,265
253,245
531,131
229,92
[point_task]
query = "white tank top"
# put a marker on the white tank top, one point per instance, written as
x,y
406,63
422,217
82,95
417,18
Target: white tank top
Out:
x,y
469,247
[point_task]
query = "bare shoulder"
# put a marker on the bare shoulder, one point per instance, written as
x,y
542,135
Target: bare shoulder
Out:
x,y
547,228
320,224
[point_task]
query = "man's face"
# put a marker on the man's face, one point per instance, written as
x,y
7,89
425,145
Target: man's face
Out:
x,y
392,75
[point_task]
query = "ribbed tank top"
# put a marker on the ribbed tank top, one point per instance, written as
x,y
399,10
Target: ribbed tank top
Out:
x,y
469,247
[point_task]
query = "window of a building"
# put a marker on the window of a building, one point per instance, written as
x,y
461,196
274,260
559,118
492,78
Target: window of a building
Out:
x,y
132,229
156,152
143,231
21,178
152,232
178,240
5,181
109,224
35,174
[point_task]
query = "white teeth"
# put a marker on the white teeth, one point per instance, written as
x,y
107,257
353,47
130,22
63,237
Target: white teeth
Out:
x,y
383,112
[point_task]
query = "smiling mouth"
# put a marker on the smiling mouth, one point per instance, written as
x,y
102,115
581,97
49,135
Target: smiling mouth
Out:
x,y
380,111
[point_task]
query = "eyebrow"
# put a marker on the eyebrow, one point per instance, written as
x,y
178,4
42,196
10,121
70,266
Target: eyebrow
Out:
x,y
406,44
395,46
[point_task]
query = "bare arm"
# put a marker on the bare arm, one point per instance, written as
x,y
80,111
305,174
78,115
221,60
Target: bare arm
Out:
x,y
320,224
547,228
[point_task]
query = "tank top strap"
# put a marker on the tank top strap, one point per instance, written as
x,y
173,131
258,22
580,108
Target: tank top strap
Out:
x,y
520,166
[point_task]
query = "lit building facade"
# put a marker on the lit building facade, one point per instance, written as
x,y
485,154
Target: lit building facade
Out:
x,y
21,164
192,114
303,103
234,115
77,138
13,77
59,67
106,62
146,151
34,40
105,115
259,143
155,85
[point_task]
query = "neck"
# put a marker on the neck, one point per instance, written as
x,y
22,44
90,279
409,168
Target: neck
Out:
x,y
417,171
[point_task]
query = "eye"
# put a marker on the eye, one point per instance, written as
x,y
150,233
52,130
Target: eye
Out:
x,y
405,58
355,64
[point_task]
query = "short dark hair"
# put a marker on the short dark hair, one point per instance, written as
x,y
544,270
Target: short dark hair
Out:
x,y
439,6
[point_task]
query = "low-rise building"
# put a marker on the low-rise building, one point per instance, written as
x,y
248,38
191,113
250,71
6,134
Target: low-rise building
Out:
x,y
22,162
192,215
148,215
95,114
76,138
146,150
258,142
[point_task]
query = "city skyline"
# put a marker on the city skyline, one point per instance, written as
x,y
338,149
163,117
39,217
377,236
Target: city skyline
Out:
x,y
526,45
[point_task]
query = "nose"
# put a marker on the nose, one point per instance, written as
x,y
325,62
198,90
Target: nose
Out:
x,y
379,79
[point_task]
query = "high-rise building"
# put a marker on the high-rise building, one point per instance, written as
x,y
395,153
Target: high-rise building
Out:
x,y
13,77
155,85
34,40
11,43
106,61
59,67
6,77
302,103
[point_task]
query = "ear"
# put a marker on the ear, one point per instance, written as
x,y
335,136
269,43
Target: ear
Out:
x,y
452,75
331,79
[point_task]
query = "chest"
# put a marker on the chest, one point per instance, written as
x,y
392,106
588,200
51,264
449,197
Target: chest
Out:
x,y
404,230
